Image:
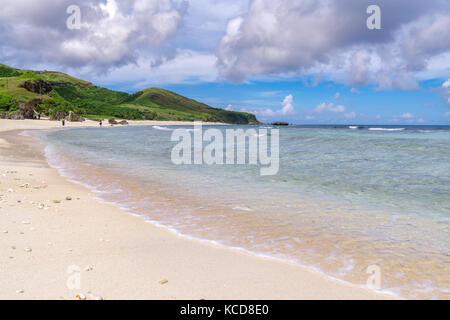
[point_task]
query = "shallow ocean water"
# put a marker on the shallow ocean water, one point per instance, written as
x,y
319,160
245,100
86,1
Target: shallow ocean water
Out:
x,y
344,199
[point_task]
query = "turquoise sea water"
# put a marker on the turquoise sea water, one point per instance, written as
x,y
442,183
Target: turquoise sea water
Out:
x,y
344,198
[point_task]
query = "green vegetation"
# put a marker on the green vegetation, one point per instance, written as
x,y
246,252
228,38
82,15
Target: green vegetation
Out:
x,y
7,103
71,94
6,71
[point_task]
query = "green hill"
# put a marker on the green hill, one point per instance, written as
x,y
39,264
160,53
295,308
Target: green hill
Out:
x,y
53,93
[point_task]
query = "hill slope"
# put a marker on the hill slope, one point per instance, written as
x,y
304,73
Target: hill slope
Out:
x,y
53,93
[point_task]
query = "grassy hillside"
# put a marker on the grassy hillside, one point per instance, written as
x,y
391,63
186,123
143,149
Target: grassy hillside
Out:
x,y
60,92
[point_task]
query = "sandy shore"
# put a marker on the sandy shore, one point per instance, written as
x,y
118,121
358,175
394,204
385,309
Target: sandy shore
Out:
x,y
119,256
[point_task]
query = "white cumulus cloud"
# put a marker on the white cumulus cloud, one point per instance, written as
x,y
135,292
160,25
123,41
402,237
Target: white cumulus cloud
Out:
x,y
444,92
112,33
330,37
326,108
446,84
286,110
407,115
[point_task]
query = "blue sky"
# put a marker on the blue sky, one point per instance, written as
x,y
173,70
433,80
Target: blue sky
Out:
x,y
370,106
301,61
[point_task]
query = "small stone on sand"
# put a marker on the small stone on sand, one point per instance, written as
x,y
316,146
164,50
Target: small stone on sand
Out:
x,y
27,250
80,297
163,281
20,291
68,198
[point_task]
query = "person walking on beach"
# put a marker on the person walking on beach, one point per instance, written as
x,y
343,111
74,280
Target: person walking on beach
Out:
x,y
101,123
63,122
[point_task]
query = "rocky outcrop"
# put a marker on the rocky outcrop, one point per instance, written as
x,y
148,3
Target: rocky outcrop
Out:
x,y
58,116
279,123
113,122
27,109
16,115
73,117
37,86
